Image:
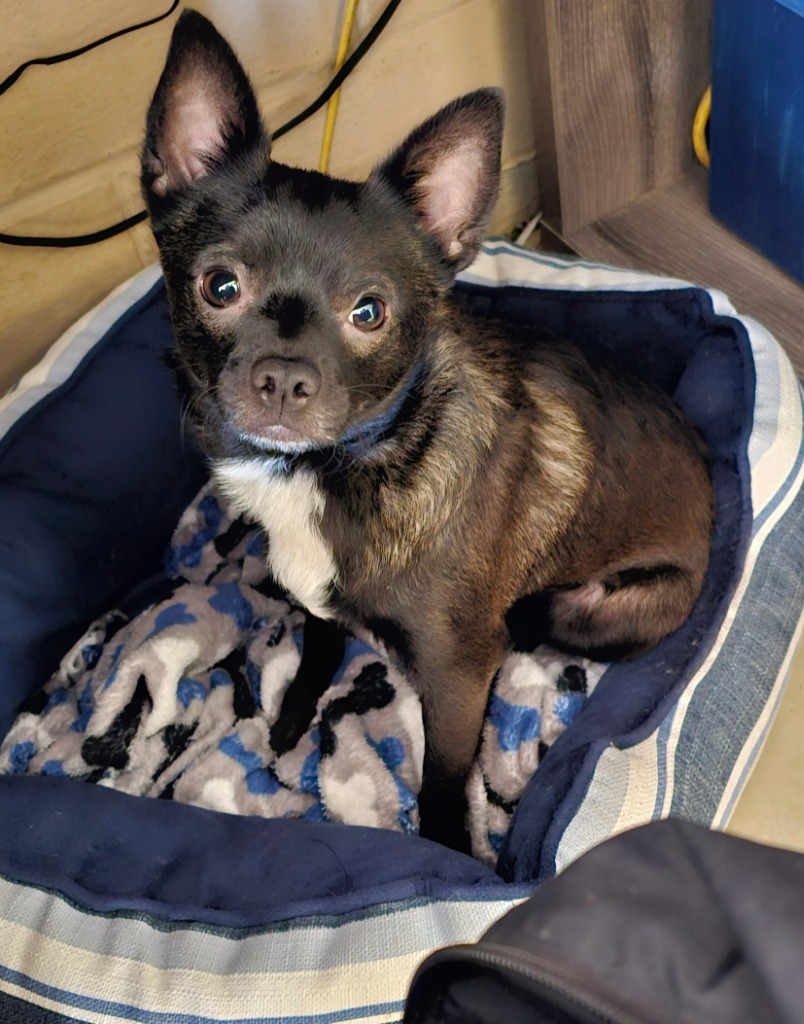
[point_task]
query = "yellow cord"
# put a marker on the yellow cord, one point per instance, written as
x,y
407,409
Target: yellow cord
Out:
x,y
699,127
332,106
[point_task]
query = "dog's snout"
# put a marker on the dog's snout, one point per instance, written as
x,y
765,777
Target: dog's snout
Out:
x,y
294,381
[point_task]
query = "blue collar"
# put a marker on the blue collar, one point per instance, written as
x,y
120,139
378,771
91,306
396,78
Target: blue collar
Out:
x,y
362,438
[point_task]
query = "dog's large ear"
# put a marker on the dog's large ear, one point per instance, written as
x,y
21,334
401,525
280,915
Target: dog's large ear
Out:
x,y
448,169
203,113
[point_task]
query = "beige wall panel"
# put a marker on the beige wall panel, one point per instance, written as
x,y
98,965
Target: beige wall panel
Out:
x,y
39,28
59,119
43,291
414,72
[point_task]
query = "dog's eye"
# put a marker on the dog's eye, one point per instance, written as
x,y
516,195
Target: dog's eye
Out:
x,y
368,314
220,287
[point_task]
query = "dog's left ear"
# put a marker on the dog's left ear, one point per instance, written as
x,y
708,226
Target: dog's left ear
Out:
x,y
448,170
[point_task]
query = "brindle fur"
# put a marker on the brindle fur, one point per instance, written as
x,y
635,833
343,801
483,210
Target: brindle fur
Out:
x,y
494,463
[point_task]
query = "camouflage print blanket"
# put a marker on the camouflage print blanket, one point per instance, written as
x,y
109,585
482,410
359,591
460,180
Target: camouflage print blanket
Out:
x,y
178,701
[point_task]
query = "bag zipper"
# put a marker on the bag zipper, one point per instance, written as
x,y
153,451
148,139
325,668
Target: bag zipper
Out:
x,y
552,979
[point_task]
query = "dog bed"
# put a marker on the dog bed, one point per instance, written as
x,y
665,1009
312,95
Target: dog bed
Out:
x,y
115,907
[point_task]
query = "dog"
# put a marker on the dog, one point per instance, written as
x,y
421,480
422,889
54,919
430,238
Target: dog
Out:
x,y
434,478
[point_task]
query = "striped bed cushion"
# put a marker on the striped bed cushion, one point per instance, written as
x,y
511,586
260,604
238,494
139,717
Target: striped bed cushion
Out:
x,y
115,908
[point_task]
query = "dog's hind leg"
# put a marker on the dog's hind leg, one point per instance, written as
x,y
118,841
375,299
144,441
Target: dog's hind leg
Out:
x,y
624,612
322,654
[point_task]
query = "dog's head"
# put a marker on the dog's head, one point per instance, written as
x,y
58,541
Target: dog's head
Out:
x,y
303,305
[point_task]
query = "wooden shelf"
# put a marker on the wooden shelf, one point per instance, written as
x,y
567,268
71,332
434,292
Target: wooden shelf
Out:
x,y
616,86
671,231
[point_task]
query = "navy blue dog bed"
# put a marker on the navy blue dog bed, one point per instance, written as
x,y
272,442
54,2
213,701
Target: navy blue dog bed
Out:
x,y
94,474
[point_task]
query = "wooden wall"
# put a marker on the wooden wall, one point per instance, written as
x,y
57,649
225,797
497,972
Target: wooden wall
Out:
x,y
619,84
70,133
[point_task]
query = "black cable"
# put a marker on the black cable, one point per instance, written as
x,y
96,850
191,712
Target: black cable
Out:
x,y
346,69
71,241
6,84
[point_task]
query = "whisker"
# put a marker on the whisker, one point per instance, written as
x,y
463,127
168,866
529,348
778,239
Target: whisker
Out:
x,y
190,408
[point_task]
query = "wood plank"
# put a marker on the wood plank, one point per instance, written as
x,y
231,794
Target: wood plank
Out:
x,y
671,231
625,79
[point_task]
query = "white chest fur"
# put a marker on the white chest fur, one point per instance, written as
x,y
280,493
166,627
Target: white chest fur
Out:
x,y
290,508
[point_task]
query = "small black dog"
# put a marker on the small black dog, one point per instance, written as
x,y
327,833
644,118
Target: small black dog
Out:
x,y
418,472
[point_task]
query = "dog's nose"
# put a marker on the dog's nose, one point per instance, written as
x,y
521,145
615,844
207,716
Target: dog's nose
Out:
x,y
286,380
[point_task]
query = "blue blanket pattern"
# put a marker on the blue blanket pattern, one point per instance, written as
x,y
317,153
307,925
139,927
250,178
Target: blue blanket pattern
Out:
x,y
177,702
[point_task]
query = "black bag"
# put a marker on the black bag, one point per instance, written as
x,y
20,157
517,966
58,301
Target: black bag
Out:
x,y
667,924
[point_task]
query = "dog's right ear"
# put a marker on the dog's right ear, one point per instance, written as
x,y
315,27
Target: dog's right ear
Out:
x,y
203,114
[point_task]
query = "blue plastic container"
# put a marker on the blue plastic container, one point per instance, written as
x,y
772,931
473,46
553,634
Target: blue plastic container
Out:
x,y
757,126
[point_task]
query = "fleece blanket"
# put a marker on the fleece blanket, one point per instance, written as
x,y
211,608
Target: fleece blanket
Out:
x,y
177,702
